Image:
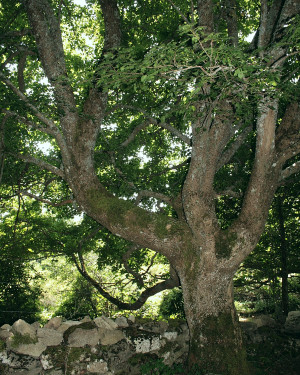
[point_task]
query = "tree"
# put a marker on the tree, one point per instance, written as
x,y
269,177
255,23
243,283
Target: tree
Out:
x,y
175,81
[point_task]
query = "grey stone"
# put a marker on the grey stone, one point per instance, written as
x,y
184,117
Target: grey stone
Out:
x,y
49,337
65,325
33,350
86,319
4,334
53,323
104,322
98,367
121,321
35,325
292,323
23,328
264,321
131,318
82,337
109,336
6,327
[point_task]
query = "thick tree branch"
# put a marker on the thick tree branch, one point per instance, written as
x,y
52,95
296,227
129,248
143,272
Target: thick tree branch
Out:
x,y
231,13
46,30
205,15
2,145
287,137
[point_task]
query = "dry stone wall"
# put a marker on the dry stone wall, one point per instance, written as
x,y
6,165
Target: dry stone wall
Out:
x,y
105,346
99,346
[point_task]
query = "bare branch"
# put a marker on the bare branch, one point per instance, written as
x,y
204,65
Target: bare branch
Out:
x,y
24,98
176,132
166,284
230,192
289,171
231,150
2,145
46,30
148,193
31,124
41,164
179,12
205,15
125,259
135,131
21,67
47,201
112,23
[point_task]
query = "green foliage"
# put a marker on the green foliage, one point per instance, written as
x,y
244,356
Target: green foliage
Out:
x,y
82,301
172,305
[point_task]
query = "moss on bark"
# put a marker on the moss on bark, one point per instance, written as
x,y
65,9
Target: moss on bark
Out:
x,y
216,346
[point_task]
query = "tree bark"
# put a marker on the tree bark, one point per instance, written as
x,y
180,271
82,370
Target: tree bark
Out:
x,y
284,253
215,336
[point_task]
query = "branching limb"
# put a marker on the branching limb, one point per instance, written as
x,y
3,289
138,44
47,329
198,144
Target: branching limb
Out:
x,y
179,12
263,37
287,137
289,171
167,284
232,21
176,132
125,259
2,145
32,124
47,201
153,194
41,164
231,150
49,123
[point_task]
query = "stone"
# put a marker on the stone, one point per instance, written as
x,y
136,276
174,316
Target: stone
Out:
x,y
170,336
7,327
49,337
35,325
121,321
109,336
104,322
46,362
131,318
33,350
146,345
86,319
264,321
82,337
23,328
53,323
292,323
98,367
65,325
4,334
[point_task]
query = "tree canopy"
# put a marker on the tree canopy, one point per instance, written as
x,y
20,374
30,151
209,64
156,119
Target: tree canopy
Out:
x,y
165,126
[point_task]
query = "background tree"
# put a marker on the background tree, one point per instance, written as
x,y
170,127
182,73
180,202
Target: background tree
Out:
x,y
142,125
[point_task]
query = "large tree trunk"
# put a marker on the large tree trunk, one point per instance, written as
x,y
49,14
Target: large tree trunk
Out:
x,y
215,336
